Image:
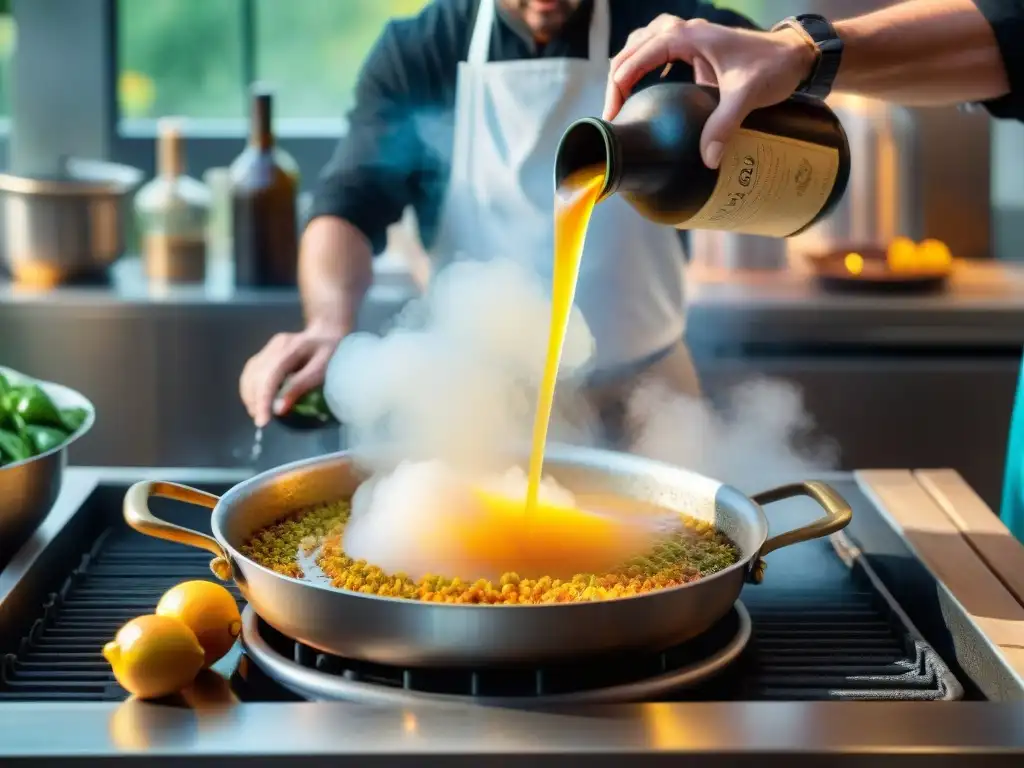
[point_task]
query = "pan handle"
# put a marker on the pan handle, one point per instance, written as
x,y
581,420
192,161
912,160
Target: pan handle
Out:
x,y
138,516
837,516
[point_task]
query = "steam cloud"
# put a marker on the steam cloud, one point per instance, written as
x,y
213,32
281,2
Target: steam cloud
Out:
x,y
457,376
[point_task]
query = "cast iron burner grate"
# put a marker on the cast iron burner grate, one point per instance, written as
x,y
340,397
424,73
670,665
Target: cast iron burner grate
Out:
x,y
619,678
847,640
804,646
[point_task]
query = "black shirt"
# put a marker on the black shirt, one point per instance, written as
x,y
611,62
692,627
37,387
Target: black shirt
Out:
x,y
398,147
1007,20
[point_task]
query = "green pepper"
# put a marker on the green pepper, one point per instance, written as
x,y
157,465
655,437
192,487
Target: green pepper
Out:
x,y
9,416
37,408
313,405
43,439
309,412
12,447
73,418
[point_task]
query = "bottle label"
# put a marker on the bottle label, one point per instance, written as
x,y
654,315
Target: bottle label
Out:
x,y
768,185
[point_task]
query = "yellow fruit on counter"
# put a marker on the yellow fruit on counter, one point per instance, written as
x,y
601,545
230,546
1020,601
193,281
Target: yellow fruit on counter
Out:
x,y
901,255
934,255
154,656
207,609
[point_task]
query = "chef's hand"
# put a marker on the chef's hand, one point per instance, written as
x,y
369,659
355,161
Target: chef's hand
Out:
x,y
301,358
751,69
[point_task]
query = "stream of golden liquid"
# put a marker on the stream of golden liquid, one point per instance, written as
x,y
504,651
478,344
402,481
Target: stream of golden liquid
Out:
x,y
574,202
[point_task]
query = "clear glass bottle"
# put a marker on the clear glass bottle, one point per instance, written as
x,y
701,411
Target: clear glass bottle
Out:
x,y
173,210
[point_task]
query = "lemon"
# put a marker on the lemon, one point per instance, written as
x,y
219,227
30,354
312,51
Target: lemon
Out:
x,y
934,255
901,255
207,609
154,656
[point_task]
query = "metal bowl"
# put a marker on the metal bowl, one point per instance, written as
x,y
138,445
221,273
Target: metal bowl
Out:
x,y
29,488
68,227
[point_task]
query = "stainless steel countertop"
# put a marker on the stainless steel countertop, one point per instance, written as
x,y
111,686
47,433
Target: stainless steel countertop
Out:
x,y
129,288
652,734
982,306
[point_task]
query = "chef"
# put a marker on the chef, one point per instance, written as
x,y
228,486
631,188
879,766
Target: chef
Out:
x,y
921,52
458,112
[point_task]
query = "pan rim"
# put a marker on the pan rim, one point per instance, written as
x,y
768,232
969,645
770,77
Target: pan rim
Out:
x,y
576,455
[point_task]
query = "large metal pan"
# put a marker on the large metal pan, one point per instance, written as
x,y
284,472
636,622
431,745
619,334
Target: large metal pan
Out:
x,y
410,633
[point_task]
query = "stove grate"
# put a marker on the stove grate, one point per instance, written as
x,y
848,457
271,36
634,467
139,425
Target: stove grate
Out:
x,y
805,646
829,643
122,576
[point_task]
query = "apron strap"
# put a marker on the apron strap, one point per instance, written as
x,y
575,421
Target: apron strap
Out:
x,y
599,41
599,45
480,43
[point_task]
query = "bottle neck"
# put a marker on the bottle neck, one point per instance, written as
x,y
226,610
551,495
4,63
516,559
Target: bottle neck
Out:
x,y
589,143
261,134
170,154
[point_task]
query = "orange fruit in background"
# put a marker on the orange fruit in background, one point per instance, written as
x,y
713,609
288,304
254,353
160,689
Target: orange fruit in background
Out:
x,y
209,610
901,255
933,255
154,656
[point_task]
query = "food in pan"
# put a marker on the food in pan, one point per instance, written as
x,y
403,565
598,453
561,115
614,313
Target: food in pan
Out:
x,y
490,552
30,422
479,526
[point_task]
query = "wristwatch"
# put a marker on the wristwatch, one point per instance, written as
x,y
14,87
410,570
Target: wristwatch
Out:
x,y
828,47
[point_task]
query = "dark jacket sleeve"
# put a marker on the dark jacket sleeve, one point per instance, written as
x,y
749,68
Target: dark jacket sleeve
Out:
x,y
1007,20
369,180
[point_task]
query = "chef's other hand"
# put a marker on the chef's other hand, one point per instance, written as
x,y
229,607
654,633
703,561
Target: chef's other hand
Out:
x,y
750,69
301,358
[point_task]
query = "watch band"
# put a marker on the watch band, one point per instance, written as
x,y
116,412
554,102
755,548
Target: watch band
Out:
x,y
828,46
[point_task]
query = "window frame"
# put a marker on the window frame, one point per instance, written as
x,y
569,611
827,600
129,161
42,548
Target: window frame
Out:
x,y
94,59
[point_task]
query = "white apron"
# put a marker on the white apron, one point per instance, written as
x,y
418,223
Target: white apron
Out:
x,y
509,118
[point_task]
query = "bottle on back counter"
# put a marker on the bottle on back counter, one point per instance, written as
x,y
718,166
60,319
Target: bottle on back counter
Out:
x,y
264,186
172,211
785,169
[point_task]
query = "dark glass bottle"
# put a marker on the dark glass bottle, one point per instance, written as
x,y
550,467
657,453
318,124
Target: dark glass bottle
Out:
x,y
264,186
787,167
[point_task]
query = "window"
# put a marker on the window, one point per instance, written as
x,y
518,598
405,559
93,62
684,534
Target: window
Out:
x,y
312,49
179,57
195,57
7,41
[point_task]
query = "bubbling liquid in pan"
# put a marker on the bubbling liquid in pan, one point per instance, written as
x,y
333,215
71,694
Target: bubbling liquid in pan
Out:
x,y
426,517
575,199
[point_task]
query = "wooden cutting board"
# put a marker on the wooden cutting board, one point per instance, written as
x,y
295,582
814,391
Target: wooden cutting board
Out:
x,y
954,533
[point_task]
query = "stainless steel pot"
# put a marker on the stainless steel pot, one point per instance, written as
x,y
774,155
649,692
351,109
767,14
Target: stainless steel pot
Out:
x,y
883,194
29,488
69,226
719,249
411,633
